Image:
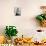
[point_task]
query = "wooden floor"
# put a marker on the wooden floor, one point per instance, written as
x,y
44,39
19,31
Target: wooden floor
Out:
x,y
29,45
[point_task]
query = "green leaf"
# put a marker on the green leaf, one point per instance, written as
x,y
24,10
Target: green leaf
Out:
x,y
45,16
40,18
10,31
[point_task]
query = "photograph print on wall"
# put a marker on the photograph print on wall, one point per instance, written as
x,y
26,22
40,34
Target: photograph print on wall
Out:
x,y
17,11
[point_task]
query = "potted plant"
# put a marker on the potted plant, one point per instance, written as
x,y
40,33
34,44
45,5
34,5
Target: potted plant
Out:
x,y
10,31
42,17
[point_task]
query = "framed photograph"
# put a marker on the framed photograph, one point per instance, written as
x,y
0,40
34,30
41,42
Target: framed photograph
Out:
x,y
17,11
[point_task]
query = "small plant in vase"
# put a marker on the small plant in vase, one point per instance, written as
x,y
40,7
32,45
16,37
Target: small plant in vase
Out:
x,y
42,17
11,31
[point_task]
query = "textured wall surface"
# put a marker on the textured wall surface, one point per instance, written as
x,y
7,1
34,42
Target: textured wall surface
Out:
x,y
26,23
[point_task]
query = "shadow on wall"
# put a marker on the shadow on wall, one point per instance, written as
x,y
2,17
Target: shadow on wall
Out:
x,y
34,22
2,29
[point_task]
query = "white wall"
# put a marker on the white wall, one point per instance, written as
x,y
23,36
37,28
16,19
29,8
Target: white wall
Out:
x,y
25,23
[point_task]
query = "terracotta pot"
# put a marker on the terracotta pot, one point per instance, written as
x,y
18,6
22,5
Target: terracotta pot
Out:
x,y
9,41
13,38
43,23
